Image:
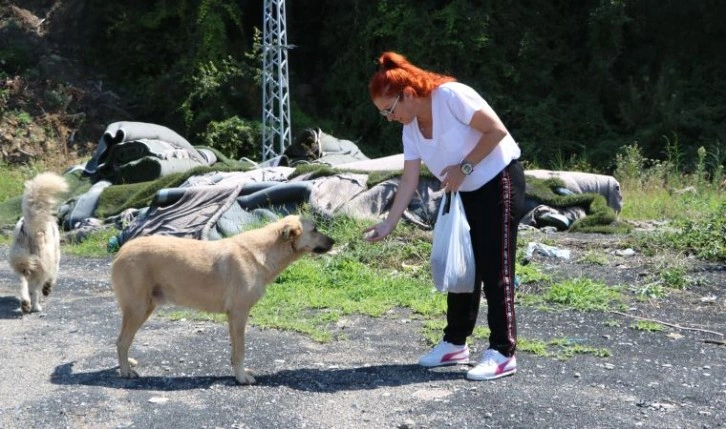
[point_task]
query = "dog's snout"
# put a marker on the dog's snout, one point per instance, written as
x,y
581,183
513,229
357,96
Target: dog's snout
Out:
x,y
325,246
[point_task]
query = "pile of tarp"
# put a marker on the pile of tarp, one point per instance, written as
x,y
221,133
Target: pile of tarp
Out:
x,y
146,179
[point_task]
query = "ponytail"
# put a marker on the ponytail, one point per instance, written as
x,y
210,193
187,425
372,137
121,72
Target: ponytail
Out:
x,y
395,74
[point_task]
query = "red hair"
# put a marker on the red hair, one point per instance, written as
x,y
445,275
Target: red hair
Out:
x,y
395,74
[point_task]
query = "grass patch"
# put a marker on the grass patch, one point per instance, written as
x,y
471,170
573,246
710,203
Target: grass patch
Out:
x,y
531,273
560,348
536,347
566,348
303,301
95,245
594,258
648,326
582,294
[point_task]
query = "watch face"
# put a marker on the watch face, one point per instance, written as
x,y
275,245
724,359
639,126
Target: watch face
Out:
x,y
466,168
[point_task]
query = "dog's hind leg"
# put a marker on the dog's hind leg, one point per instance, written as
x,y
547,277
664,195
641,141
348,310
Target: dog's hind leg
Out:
x,y
132,319
237,325
48,287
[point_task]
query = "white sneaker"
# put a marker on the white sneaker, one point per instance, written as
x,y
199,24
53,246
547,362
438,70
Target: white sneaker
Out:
x,y
445,354
493,365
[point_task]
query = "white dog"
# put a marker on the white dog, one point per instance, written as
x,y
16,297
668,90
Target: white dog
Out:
x,y
35,252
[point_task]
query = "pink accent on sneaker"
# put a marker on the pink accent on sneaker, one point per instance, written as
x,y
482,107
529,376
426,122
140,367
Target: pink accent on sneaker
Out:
x,y
445,354
455,356
502,369
493,365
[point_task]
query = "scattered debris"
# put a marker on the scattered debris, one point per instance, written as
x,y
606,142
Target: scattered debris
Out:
x,y
625,252
545,250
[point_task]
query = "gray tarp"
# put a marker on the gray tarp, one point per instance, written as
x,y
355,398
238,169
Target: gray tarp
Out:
x,y
223,204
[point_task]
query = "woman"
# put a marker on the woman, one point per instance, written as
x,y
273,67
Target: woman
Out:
x,y
453,130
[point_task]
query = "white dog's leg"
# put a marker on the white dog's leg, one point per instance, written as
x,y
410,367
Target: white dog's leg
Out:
x,y
237,325
48,287
24,295
35,299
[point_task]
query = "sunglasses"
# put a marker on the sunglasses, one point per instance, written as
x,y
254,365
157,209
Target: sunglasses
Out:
x,y
389,112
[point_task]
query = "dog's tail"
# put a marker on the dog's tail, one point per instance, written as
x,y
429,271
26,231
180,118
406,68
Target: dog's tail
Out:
x,y
40,199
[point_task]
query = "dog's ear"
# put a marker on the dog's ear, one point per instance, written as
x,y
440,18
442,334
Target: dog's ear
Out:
x,y
291,231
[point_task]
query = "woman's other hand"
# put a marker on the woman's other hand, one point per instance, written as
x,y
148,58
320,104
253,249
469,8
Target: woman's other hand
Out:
x,y
453,177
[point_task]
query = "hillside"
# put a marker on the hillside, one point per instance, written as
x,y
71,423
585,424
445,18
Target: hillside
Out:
x,y
52,109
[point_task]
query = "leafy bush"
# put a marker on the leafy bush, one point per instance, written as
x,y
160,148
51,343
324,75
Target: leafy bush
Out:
x,y
235,137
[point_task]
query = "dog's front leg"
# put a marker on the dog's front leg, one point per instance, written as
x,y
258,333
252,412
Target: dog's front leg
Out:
x,y
35,298
24,295
237,325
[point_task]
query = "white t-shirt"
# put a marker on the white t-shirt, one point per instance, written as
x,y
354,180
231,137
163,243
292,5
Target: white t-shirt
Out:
x,y
453,105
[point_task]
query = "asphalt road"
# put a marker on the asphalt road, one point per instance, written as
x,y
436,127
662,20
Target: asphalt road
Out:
x,y
58,369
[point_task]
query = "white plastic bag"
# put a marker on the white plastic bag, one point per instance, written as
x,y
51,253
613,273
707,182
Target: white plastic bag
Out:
x,y
452,258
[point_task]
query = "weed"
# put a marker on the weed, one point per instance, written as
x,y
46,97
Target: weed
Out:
x,y
675,278
674,155
650,291
24,118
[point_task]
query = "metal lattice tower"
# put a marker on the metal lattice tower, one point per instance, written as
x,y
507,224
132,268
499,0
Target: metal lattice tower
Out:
x,y
276,134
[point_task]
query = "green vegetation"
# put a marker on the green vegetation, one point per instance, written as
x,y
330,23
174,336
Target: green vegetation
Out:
x,y
580,294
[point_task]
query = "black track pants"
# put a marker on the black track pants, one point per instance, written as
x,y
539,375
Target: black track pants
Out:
x,y
493,212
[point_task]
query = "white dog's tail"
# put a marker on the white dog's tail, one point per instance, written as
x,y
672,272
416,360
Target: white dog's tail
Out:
x,y
40,199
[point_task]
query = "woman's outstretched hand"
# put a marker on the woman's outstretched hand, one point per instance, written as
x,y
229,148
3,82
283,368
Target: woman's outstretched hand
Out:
x,y
377,232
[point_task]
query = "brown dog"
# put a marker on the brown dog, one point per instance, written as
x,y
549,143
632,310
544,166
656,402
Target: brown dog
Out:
x,y
223,276
35,252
